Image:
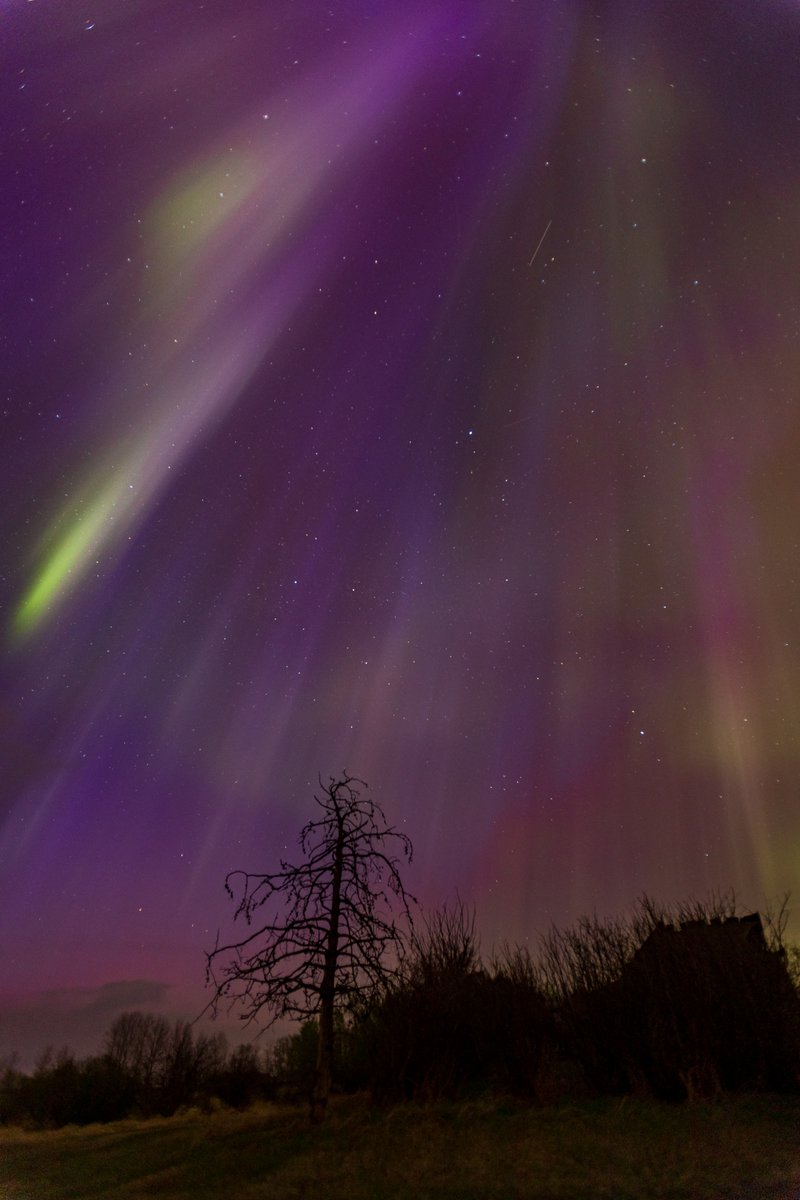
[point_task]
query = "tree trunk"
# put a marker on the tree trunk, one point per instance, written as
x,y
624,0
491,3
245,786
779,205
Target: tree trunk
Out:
x,y
324,1070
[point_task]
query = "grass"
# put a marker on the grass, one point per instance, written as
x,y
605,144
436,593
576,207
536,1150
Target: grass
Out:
x,y
746,1148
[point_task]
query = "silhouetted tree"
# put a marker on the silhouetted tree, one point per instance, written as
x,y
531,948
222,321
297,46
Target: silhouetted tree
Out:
x,y
293,1060
166,1066
242,1079
138,1044
332,942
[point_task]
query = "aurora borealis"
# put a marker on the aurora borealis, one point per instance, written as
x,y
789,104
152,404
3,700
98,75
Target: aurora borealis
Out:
x,y
411,389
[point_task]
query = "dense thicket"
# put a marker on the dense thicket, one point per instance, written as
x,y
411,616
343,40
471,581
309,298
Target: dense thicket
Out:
x,y
678,1004
681,1003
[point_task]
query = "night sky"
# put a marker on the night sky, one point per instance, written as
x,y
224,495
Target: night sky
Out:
x,y
407,388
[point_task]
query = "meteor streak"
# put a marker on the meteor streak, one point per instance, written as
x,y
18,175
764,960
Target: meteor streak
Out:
x,y
541,239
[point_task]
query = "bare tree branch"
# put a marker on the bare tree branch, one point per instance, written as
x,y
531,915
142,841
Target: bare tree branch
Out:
x,y
333,941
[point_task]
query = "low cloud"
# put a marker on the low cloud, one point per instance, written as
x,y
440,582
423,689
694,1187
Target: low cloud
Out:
x,y
75,1017
108,997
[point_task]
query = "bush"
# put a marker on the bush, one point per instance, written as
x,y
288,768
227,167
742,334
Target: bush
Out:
x,y
450,1027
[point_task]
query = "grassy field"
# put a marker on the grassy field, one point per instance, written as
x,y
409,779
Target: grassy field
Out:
x,y
746,1148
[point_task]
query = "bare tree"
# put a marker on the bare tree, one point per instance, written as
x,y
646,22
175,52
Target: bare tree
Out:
x,y
138,1044
333,941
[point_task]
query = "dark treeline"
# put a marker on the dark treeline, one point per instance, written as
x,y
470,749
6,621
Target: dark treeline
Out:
x,y
673,1003
149,1067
